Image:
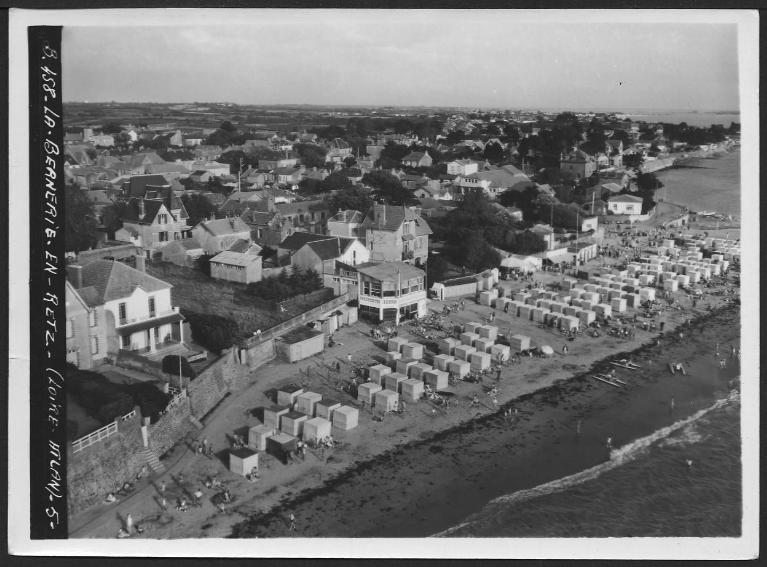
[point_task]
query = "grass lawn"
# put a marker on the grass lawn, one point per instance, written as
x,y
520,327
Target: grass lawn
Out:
x,y
194,291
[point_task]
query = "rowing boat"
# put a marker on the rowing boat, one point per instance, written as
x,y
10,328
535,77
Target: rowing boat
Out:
x,y
608,382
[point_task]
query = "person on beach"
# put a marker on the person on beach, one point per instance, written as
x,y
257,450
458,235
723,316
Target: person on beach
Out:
x,y
498,375
292,519
671,404
578,427
129,524
162,487
609,443
688,462
349,358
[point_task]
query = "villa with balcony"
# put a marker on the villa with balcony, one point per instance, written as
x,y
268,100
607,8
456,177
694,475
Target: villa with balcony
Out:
x,y
139,316
391,291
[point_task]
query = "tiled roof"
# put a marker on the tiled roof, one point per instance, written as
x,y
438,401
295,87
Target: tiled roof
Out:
x,y
624,199
136,186
112,280
298,239
132,211
413,156
232,258
330,247
350,216
221,227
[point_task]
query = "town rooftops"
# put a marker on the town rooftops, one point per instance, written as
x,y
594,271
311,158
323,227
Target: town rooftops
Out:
x,y
221,227
231,258
391,217
612,187
132,212
107,280
414,156
578,156
389,271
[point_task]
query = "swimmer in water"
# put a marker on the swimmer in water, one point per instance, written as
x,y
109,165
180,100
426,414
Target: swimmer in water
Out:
x,y
609,442
688,462
672,403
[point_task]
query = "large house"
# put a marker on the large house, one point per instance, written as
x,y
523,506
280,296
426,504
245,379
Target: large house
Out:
x,y
85,330
396,233
153,222
321,255
493,181
462,167
624,205
578,164
294,242
417,159
219,234
391,291
137,311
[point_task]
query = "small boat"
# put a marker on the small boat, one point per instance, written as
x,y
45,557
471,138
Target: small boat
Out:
x,y
620,382
675,367
625,364
608,382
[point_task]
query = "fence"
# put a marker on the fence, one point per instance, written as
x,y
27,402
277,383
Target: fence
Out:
x,y
302,318
99,434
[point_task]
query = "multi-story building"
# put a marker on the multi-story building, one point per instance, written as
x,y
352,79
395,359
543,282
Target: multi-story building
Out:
x,y
137,310
396,234
85,330
578,164
345,223
391,291
152,223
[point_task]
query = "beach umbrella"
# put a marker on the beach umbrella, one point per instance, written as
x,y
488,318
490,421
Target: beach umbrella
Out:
x,y
546,350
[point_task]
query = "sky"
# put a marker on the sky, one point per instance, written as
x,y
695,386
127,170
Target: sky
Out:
x,y
467,58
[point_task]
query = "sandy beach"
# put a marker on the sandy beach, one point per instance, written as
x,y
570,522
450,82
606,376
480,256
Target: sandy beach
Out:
x,y
419,472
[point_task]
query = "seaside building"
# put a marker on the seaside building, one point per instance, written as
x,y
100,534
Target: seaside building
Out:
x,y
624,205
391,291
396,234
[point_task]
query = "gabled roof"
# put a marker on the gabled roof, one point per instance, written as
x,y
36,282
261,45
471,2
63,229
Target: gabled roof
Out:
x,y
330,248
167,168
133,214
241,246
414,156
222,227
258,218
578,156
391,217
137,184
349,216
613,187
299,239
108,280
233,258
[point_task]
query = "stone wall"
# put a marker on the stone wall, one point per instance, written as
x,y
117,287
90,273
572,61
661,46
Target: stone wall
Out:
x,y
210,387
172,426
132,361
103,467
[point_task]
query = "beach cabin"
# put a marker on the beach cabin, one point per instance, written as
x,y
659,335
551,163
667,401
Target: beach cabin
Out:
x,y
242,461
459,368
272,416
500,352
488,332
436,379
395,344
257,436
518,343
391,358
280,446
471,327
326,407
412,390
386,400
440,361
469,338
404,364
346,418
306,402
479,361
412,350
366,391
300,343
464,351
447,346
392,381
416,370
377,373
292,423
316,429
287,395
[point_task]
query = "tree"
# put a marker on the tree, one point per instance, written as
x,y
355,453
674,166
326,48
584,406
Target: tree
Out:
x,y
474,252
175,364
311,155
388,188
648,182
111,128
111,217
214,332
352,198
227,126
494,153
310,186
80,225
336,181
436,268
525,242
199,207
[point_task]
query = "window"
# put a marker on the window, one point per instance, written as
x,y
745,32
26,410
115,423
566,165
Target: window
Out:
x,y
151,307
164,236
125,341
354,257
123,313
94,345
163,218
70,329
92,318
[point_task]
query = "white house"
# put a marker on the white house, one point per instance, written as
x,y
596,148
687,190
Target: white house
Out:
x,y
138,310
462,167
240,263
625,205
321,255
217,235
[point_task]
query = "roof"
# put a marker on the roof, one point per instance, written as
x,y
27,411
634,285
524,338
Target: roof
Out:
x,y
614,187
149,323
391,217
167,168
300,334
414,156
132,212
221,227
186,244
299,239
578,156
107,280
385,271
137,184
330,248
259,218
350,216
232,258
624,199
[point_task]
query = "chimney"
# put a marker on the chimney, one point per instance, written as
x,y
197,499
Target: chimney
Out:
x,y
140,262
75,275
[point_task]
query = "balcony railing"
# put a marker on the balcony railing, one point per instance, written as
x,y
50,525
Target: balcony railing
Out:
x,y
156,315
408,297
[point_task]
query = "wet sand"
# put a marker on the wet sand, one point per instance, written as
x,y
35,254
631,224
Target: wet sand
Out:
x,y
429,485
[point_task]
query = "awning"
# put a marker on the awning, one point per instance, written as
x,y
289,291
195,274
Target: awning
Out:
x,y
149,324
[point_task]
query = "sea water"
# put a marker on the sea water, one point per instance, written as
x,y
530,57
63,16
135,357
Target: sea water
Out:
x,y
705,184
683,480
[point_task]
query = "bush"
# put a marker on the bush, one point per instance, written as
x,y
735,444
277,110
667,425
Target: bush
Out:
x,y
100,398
170,365
214,332
150,400
283,286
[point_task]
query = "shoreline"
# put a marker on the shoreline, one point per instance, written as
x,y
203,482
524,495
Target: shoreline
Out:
x,y
264,524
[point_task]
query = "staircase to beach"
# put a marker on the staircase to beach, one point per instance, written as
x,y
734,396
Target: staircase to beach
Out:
x,y
153,461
